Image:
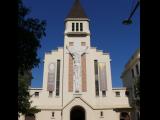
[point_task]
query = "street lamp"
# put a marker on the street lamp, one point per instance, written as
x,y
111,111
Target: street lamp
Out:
x,y
129,21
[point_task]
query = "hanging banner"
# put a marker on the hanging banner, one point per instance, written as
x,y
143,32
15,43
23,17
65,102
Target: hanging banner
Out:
x,y
84,82
51,77
70,74
102,76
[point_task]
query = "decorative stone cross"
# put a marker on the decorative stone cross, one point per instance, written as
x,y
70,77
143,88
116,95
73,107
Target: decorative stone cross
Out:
x,y
76,52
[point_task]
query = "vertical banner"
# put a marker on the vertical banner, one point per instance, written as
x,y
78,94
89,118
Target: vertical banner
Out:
x,y
102,76
51,77
83,67
70,74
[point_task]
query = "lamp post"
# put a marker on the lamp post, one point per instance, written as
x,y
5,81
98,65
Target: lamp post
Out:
x,y
129,20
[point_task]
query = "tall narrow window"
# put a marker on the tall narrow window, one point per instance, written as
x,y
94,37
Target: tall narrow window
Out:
x,y
103,93
58,78
135,91
132,73
50,93
52,114
137,70
72,26
77,27
101,113
96,77
36,94
117,94
81,27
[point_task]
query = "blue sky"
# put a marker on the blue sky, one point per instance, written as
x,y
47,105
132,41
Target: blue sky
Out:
x,y
107,31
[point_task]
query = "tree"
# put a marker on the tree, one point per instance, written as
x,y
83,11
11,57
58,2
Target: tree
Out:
x,y
30,32
23,94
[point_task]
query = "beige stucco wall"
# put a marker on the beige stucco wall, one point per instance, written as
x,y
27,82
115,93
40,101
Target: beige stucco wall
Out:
x,y
90,112
47,115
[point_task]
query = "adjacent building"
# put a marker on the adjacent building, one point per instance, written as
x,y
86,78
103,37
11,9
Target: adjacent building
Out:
x,y
130,78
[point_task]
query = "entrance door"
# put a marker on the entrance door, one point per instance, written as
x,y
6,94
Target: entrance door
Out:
x,y
77,113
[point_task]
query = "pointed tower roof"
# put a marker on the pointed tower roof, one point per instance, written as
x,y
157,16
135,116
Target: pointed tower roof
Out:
x,y
77,11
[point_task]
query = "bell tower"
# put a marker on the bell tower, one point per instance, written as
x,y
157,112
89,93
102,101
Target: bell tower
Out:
x,y
76,46
77,27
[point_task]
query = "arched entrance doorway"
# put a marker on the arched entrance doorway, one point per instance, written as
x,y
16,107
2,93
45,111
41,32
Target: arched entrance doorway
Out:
x,y
77,113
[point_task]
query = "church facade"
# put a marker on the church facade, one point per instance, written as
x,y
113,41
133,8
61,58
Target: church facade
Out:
x,y
77,83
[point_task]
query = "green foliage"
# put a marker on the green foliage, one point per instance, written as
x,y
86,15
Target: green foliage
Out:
x,y
23,94
30,32
32,111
